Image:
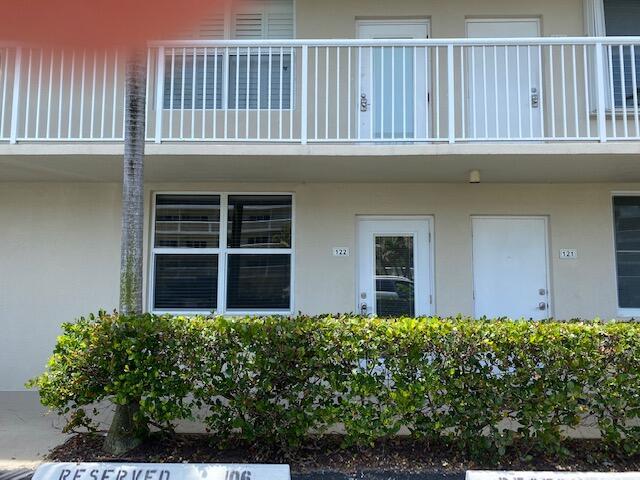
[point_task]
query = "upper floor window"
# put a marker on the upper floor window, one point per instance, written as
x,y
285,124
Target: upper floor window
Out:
x,y
234,78
622,18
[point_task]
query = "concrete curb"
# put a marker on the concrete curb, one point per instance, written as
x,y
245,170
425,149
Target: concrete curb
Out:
x,y
26,474
377,475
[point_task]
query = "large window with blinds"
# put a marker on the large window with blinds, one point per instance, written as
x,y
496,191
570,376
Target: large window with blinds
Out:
x,y
626,214
234,78
221,252
622,18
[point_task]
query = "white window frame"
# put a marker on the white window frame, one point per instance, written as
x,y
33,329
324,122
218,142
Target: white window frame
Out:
x,y
623,312
594,25
223,252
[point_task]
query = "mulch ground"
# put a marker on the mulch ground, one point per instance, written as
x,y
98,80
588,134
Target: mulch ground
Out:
x,y
399,454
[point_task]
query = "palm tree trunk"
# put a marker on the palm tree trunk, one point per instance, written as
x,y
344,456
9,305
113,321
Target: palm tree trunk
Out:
x,y
125,432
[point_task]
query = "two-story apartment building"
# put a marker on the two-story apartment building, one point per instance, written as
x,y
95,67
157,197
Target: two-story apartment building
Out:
x,y
391,158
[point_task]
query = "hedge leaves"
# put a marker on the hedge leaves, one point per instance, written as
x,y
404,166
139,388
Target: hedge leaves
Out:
x,y
481,384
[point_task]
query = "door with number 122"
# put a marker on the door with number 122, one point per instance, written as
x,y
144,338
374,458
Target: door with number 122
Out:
x,y
394,265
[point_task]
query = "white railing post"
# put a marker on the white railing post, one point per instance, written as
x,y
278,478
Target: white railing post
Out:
x,y
450,96
13,136
304,94
159,94
600,94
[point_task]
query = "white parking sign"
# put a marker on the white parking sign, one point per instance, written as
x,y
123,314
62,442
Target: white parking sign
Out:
x,y
531,475
160,471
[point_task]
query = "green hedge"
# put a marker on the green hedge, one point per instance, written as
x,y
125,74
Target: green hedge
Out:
x,y
276,379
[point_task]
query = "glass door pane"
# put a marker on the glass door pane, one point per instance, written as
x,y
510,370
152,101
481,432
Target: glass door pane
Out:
x,y
395,291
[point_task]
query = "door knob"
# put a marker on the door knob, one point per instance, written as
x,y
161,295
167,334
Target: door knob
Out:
x,y
535,98
364,103
363,309
542,306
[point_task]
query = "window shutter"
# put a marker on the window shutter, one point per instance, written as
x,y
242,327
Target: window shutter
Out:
x,y
279,18
210,28
256,19
250,20
248,26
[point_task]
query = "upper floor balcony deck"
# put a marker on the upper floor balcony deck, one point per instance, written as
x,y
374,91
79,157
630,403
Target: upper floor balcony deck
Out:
x,y
350,91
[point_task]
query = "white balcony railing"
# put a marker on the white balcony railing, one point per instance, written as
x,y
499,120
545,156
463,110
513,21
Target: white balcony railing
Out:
x,y
342,91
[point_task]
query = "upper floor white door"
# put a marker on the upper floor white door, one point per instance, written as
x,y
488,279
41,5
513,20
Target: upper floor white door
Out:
x,y
504,96
392,100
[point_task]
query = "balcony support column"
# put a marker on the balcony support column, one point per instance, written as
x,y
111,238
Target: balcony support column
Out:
x,y
450,96
15,103
600,94
304,94
160,93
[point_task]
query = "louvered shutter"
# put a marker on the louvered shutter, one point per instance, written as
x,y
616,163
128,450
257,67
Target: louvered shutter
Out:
x,y
256,19
210,27
250,20
248,26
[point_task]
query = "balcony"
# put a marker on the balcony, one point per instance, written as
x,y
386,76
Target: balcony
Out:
x,y
451,91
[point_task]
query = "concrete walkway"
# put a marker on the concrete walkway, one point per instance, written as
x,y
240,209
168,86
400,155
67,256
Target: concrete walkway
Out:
x,y
27,431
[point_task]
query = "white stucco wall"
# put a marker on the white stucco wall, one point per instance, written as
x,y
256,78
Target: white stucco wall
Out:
x,y
59,258
580,217
337,19
60,249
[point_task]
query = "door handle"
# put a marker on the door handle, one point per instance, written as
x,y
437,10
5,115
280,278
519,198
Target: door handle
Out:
x,y
542,306
363,309
364,102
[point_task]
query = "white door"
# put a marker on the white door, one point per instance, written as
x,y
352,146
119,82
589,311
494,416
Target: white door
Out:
x,y
392,99
394,271
510,262
503,82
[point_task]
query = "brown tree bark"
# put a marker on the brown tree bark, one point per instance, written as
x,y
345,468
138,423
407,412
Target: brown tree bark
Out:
x,y
125,431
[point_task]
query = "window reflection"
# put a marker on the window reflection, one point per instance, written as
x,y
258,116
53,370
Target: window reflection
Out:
x,y
187,221
259,282
259,221
186,282
395,276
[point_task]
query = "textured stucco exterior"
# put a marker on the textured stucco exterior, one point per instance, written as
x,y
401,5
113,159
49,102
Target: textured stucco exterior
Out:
x,y
60,249
337,19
